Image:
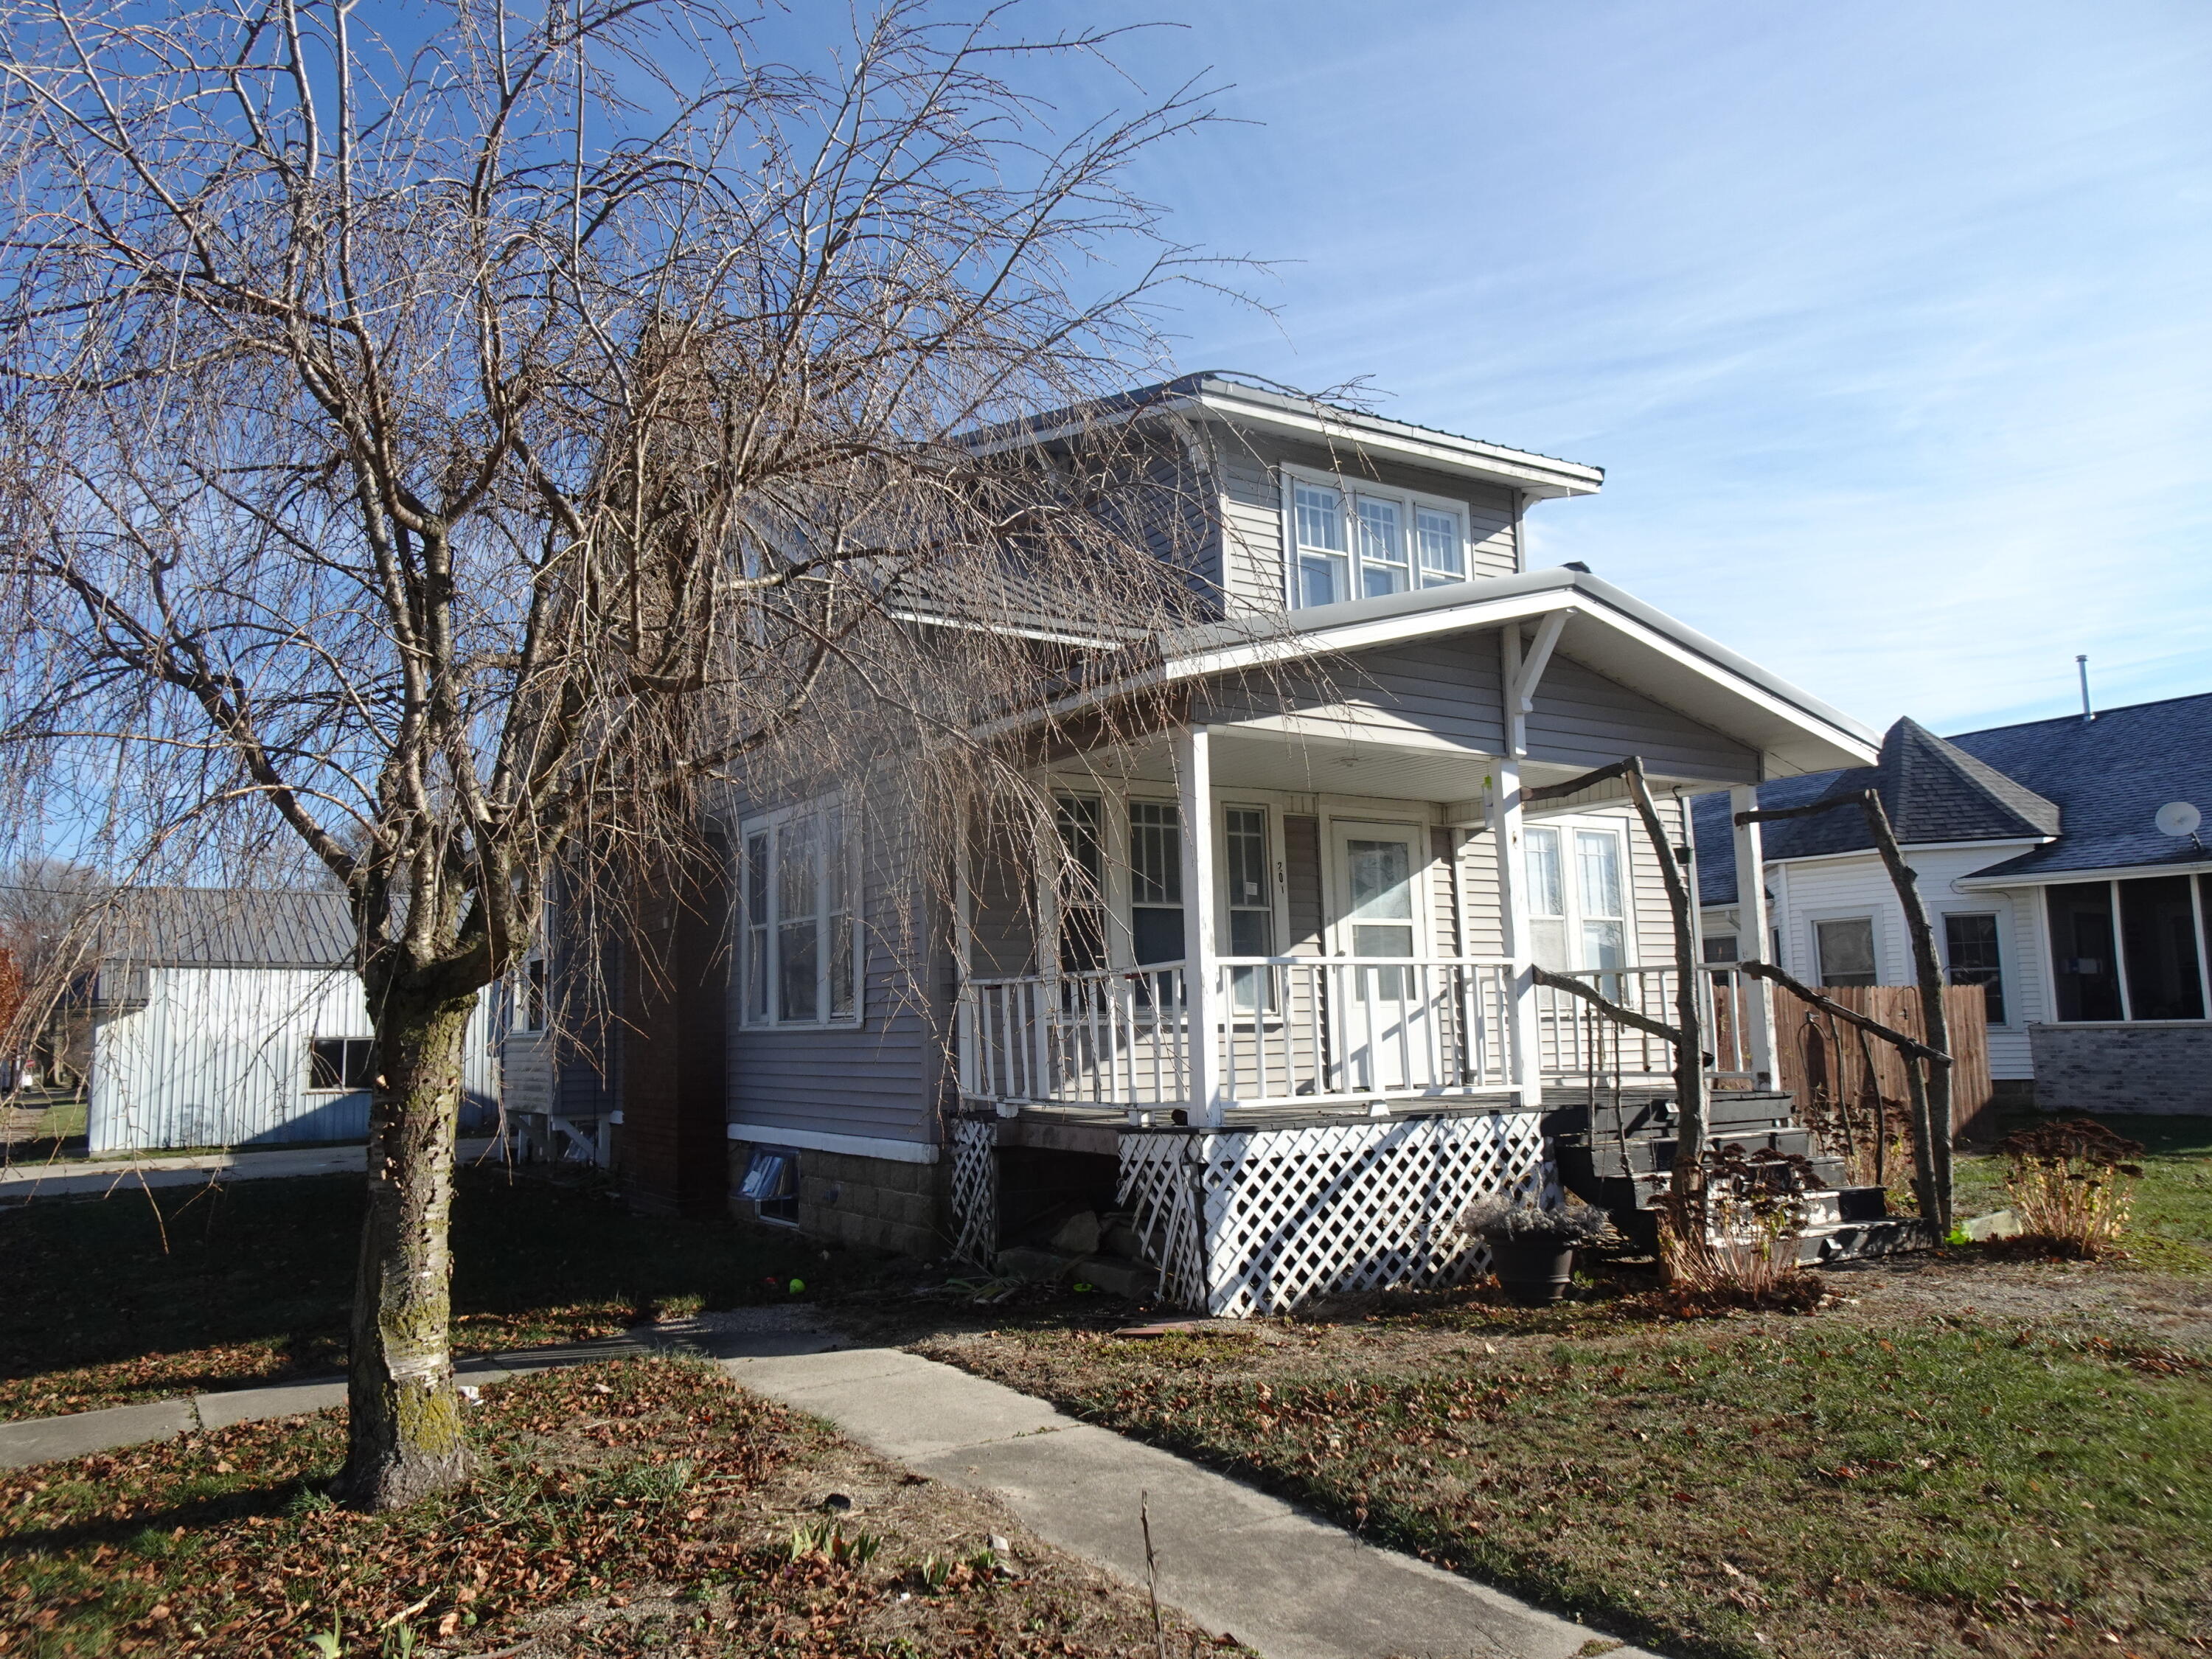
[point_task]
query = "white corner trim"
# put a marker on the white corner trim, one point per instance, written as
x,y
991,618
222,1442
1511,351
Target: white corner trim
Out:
x,y
814,1140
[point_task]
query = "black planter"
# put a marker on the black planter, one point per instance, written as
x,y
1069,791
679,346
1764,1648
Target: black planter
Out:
x,y
1533,1269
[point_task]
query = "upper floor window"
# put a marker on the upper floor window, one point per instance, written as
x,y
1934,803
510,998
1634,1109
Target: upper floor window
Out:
x,y
802,960
1366,542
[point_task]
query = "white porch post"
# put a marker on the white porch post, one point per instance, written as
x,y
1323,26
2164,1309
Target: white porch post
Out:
x,y
1194,801
1524,1046
1756,995
963,947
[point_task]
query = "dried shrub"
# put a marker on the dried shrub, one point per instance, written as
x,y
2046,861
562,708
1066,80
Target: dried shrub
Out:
x,y
1498,1216
1735,1239
2072,1185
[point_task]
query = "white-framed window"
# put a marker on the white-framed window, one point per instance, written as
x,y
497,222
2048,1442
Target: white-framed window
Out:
x,y
803,955
1249,892
1843,950
1577,896
1155,930
1350,540
1972,956
338,1065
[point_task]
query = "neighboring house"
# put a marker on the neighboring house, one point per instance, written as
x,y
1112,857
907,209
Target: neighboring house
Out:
x,y
226,1017
1278,1055
2048,884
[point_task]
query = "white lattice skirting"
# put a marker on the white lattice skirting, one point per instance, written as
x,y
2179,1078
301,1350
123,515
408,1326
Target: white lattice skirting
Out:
x,y
1260,1220
975,1190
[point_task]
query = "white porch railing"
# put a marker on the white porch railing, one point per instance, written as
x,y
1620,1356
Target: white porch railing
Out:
x,y
1291,1031
1296,1029
1107,1038
1578,1039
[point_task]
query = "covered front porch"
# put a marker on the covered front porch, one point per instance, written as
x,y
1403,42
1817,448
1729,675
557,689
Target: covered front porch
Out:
x,y
1341,954
1272,967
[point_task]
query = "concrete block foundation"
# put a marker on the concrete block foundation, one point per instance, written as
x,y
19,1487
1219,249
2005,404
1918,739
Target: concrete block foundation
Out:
x,y
871,1203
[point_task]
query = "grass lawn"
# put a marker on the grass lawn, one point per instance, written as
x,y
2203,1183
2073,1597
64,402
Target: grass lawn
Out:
x,y
43,1130
1819,1487
648,1507
1968,1455
115,1299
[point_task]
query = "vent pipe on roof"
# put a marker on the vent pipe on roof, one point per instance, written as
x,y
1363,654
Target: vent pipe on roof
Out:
x,y
2082,664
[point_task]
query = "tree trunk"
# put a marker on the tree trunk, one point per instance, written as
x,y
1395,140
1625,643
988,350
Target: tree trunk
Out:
x,y
404,1437
1935,1025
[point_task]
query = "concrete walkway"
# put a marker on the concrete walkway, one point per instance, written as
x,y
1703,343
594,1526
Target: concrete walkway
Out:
x,y
1232,1558
60,1179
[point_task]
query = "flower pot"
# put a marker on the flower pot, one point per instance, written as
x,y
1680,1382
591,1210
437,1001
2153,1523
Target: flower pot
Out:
x,y
1533,1269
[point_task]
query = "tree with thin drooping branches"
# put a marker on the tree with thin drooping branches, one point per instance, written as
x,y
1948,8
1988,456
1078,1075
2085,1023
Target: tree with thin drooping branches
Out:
x,y
432,461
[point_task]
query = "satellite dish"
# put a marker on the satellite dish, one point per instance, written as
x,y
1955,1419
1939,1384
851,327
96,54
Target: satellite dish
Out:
x,y
2177,818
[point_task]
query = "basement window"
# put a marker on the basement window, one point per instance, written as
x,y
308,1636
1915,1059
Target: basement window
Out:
x,y
340,1064
771,1183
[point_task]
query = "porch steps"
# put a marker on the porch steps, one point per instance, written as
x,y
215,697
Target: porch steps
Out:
x,y
1618,1153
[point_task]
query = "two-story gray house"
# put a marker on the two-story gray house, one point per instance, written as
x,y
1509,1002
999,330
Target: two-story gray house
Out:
x,y
1294,1028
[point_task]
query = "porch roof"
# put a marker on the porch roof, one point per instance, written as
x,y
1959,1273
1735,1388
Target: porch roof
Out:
x,y
1607,629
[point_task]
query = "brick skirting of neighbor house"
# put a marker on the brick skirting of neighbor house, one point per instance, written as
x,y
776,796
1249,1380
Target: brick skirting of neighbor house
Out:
x,y
2164,1068
875,1203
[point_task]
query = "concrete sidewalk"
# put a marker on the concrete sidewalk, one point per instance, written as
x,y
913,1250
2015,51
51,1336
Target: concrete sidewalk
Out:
x,y
59,1179
1232,1558
44,1439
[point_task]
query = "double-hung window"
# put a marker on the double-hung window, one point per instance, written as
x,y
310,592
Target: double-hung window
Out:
x,y
1080,820
1251,904
1970,957
803,958
1577,915
1352,542
1155,882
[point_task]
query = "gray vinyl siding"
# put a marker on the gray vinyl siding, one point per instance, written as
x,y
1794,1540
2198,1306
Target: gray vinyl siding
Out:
x,y
1302,886
876,1080
1584,719
1450,689
1248,468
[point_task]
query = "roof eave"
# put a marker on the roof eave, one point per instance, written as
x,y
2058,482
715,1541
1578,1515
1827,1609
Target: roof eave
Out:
x,y
1536,476
2105,873
1231,647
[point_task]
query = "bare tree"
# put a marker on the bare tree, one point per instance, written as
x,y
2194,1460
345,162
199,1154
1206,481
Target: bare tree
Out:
x,y
452,453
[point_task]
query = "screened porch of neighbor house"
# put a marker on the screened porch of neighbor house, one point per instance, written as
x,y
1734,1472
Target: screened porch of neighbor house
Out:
x,y
1350,938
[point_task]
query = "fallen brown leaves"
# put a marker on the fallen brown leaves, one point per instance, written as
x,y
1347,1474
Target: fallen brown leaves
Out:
x,y
220,1543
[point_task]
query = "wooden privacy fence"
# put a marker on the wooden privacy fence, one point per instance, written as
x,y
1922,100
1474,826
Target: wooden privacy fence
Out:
x,y
1823,1063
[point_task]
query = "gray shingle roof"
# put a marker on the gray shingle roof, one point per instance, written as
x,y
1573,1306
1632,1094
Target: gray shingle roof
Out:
x,y
2094,785
1933,791
229,927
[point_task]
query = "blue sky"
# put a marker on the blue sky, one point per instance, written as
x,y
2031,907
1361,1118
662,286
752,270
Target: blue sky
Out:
x,y
1891,324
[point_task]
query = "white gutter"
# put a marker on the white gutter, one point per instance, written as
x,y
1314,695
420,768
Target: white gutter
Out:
x,y
2056,878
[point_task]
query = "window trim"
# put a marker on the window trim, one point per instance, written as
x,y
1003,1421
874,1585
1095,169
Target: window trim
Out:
x,y
368,1045
771,824
1571,918
1411,502
2000,915
1870,915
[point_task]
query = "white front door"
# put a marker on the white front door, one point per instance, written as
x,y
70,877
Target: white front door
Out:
x,y
1382,1020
